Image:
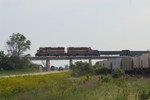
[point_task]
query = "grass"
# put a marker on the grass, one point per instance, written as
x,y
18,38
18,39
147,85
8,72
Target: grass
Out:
x,y
29,87
16,72
61,86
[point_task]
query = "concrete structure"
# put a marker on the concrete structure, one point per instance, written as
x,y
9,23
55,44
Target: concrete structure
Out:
x,y
71,58
47,65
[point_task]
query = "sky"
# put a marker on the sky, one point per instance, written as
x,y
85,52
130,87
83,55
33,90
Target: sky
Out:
x,y
99,24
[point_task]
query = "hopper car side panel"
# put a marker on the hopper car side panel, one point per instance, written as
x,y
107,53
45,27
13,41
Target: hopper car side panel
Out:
x,y
116,63
136,62
144,61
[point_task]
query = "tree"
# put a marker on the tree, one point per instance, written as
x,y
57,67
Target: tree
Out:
x,y
2,54
81,68
5,62
60,68
118,73
52,68
99,69
66,67
17,45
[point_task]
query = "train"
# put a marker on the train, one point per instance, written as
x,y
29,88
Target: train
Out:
x,y
82,51
71,51
137,64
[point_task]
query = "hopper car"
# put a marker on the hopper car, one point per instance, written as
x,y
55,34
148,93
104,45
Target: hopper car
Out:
x,y
136,64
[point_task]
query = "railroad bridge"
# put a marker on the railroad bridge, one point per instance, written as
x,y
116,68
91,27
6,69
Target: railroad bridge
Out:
x,y
103,55
71,58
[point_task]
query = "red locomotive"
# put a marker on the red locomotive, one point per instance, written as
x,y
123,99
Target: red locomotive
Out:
x,y
71,51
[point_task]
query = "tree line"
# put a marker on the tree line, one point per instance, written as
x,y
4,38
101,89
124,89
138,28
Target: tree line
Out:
x,y
16,58
85,69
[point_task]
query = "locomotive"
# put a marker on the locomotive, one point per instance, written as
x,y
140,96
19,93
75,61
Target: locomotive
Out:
x,y
50,51
71,51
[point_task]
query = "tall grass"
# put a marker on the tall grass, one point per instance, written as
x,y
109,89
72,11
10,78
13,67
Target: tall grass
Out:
x,y
61,86
16,72
54,83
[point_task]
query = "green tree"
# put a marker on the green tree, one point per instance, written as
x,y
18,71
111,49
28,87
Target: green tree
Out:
x,y
60,68
5,62
17,45
81,68
52,68
99,69
66,67
2,54
117,73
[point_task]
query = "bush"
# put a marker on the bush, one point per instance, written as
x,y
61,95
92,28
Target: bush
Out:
x,y
5,62
101,70
117,73
144,94
81,68
104,79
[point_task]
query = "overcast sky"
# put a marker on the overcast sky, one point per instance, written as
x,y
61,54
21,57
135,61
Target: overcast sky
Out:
x,y
99,24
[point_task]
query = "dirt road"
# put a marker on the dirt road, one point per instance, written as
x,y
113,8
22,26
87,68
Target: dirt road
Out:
x,y
29,74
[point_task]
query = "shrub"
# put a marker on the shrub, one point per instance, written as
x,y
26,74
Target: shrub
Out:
x,y
118,73
104,79
81,68
144,94
101,70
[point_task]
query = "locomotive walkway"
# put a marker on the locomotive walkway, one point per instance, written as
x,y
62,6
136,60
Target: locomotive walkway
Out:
x,y
71,58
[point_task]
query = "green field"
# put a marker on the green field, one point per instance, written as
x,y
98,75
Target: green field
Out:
x,y
17,72
61,86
